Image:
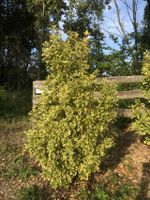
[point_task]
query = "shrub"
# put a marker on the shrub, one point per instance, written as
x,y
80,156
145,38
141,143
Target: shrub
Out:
x,y
141,112
71,128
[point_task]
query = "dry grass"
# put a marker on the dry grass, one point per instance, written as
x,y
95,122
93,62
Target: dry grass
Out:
x,y
127,163
126,167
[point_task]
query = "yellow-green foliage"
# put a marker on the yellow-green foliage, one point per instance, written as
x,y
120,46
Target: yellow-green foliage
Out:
x,y
141,112
71,129
146,73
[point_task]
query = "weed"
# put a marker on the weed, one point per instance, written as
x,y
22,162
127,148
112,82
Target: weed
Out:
x,y
123,192
32,193
115,188
84,194
8,149
20,169
100,194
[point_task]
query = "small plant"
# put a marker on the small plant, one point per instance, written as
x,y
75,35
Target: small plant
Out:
x,y
31,193
116,190
19,168
141,112
71,127
100,194
125,192
84,194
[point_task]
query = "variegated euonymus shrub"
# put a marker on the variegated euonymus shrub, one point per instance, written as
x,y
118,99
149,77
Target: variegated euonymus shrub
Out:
x,y
141,113
71,129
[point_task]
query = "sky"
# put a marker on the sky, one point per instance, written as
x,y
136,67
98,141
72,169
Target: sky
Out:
x,y
110,17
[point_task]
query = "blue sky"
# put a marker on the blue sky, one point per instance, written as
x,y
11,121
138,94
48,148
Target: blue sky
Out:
x,y
110,18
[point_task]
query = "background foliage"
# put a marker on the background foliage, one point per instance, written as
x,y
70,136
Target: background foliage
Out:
x,y
25,25
140,110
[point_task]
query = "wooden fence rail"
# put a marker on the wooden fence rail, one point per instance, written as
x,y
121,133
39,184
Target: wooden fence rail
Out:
x,y
132,94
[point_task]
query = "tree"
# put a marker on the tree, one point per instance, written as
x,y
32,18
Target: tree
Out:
x,y
17,42
47,14
26,24
128,42
84,16
2,14
146,28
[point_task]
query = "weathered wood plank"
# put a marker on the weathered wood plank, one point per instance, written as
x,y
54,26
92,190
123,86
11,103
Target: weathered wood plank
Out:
x,y
125,113
122,79
115,79
37,85
132,94
37,90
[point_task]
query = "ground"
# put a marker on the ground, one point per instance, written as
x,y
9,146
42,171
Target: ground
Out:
x,y
128,166
123,175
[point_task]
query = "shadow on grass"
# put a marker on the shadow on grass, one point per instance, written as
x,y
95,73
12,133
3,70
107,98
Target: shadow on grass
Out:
x,y
33,193
123,141
15,104
116,154
14,109
144,193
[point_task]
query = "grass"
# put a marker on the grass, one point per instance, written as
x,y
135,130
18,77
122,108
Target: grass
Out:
x,y
124,192
14,109
32,193
113,187
15,163
20,176
14,103
19,168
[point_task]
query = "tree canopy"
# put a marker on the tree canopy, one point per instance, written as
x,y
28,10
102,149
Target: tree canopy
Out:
x,y
25,25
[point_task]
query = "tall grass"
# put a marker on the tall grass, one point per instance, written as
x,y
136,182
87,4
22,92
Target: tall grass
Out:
x,y
14,103
14,107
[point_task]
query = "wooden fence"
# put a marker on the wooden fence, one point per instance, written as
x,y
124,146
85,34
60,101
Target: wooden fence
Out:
x,y
132,94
